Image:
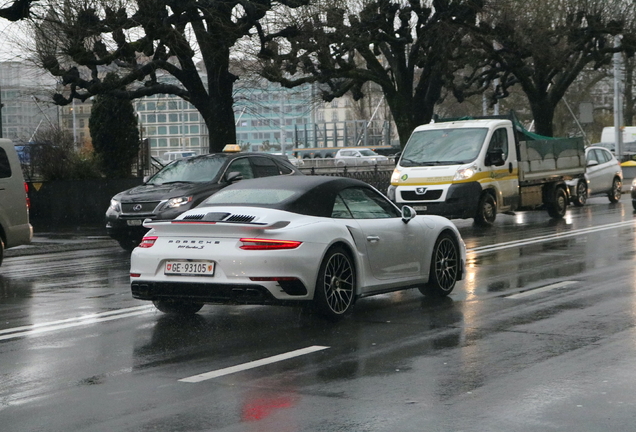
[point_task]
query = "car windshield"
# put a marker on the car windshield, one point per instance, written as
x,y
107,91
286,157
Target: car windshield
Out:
x,y
368,153
195,170
250,196
443,146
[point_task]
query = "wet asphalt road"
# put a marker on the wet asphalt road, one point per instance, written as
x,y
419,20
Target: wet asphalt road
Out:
x,y
539,337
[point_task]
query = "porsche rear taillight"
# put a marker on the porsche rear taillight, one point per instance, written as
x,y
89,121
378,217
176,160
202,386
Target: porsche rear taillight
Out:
x,y
268,244
148,241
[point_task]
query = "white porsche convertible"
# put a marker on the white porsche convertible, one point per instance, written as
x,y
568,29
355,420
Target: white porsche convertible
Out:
x,y
319,241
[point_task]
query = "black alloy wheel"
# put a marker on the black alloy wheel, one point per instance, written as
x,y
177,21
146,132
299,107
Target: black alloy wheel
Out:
x,y
334,294
445,267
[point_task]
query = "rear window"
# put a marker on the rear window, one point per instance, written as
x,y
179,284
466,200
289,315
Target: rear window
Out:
x,y
250,196
189,170
5,167
264,167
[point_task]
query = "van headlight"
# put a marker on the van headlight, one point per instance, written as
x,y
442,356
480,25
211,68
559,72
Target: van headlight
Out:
x,y
465,172
395,177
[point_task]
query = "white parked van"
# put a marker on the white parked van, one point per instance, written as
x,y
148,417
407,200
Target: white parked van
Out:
x,y
15,229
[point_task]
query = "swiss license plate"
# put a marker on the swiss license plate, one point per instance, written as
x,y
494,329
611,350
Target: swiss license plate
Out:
x,y
134,222
420,207
189,268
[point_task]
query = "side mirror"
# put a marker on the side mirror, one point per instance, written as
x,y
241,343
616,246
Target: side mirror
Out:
x,y
146,178
592,163
233,177
408,213
495,157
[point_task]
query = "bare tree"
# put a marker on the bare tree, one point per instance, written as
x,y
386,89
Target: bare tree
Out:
x,y
543,47
178,47
16,10
402,46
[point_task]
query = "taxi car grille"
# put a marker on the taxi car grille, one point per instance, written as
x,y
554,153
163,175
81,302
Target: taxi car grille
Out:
x,y
428,195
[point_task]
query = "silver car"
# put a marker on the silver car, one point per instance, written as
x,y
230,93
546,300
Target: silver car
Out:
x,y
603,176
358,157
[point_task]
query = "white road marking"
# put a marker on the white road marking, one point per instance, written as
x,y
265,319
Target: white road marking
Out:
x,y
531,292
253,364
82,320
546,238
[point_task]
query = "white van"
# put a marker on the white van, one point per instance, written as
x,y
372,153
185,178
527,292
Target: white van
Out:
x,y
15,229
629,134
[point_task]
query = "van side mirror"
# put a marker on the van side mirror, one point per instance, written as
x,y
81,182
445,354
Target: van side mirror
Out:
x,y
495,157
233,177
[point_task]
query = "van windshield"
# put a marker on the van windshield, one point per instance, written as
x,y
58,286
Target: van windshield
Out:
x,y
443,147
195,170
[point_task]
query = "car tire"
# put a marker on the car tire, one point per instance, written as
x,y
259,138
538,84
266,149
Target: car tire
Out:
x,y
177,307
1,251
128,244
558,205
614,194
445,267
580,194
486,210
334,294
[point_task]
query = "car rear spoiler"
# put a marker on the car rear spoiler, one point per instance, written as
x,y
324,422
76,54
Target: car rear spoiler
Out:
x,y
149,223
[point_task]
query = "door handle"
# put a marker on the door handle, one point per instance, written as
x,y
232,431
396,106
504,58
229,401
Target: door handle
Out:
x,y
373,239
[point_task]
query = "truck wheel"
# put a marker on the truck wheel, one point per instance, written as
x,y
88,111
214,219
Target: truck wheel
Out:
x,y
486,210
1,250
581,194
559,204
614,194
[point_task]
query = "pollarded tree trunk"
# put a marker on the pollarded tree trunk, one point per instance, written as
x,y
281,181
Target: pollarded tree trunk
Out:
x,y
543,114
215,108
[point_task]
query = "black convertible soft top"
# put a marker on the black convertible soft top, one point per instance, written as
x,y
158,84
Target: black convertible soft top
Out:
x,y
311,195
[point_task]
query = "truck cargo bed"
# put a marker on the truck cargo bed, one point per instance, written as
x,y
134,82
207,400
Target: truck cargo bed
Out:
x,y
545,160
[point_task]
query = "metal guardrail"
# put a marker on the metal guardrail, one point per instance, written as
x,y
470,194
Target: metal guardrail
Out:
x,y
378,176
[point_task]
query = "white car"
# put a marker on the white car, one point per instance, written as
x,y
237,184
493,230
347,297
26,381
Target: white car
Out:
x,y
308,240
603,175
358,157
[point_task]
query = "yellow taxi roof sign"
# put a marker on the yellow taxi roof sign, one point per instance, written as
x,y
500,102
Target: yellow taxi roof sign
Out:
x,y
231,148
